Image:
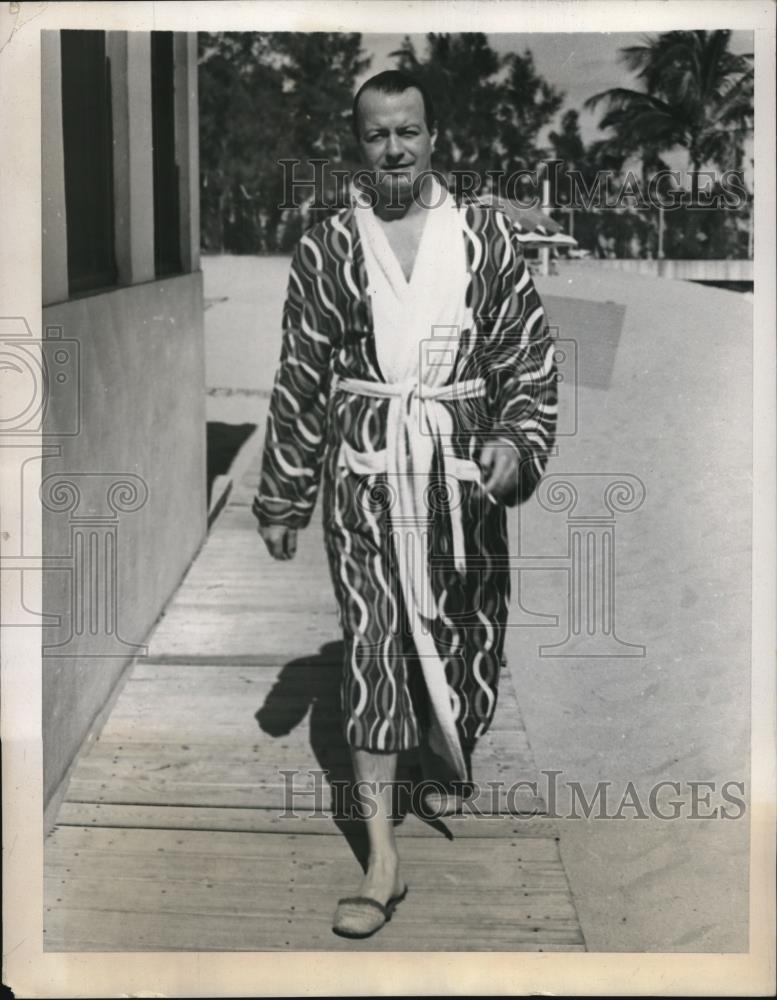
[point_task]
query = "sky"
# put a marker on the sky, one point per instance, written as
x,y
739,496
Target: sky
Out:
x,y
580,64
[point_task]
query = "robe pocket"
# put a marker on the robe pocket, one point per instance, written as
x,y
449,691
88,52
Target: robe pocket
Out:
x,y
353,500
367,492
363,495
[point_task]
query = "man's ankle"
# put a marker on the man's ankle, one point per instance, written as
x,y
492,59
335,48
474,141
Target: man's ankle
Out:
x,y
385,861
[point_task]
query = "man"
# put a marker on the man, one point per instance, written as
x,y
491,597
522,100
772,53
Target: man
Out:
x,y
417,382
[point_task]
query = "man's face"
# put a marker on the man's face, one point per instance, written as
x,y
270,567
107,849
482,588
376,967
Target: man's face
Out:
x,y
394,139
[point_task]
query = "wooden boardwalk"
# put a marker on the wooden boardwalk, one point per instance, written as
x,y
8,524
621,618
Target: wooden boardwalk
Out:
x,y
177,833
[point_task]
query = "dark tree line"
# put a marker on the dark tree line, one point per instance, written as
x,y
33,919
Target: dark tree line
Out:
x,y
490,108
269,97
274,96
266,97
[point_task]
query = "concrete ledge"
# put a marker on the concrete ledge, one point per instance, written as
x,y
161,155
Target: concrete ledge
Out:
x,y
120,416
685,270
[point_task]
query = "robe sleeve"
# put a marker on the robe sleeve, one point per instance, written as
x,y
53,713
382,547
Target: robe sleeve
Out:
x,y
522,382
296,423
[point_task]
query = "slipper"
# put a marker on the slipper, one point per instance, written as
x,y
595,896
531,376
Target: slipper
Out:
x,y
364,905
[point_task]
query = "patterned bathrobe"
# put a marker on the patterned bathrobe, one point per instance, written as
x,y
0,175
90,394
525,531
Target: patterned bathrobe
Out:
x,y
328,338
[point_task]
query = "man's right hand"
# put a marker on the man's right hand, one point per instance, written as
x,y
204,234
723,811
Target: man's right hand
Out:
x,y
281,541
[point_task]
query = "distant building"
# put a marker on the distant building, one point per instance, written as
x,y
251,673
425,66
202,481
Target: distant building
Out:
x,y
124,474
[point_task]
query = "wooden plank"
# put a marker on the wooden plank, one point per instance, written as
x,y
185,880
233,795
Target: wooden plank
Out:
x,y
294,724
221,682
177,895
229,705
298,746
179,890
263,785
106,931
240,659
236,556
286,771
248,845
276,876
281,767
108,815
218,752
326,666
286,723
262,795
241,728
168,705
501,746
201,670
281,634
236,691
158,746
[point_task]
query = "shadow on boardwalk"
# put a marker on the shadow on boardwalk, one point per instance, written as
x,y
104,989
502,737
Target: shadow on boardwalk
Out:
x,y
308,687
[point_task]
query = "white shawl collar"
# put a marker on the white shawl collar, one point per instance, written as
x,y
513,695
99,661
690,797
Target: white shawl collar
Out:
x,y
432,303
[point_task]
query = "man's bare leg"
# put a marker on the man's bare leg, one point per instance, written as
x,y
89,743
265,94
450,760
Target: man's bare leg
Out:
x,y
377,772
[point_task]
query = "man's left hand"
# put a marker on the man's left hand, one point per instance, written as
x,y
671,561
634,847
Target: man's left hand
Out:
x,y
501,467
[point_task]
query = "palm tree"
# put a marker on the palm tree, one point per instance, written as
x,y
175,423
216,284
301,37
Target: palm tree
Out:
x,y
490,108
697,94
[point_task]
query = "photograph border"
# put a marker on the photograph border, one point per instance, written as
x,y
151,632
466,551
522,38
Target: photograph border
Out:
x,y
29,971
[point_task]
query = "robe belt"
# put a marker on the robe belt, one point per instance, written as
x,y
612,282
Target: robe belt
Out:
x,y
416,424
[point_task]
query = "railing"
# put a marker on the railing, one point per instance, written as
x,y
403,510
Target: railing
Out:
x,y
679,234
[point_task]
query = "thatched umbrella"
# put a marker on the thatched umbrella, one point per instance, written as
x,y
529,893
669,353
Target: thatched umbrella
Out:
x,y
533,226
